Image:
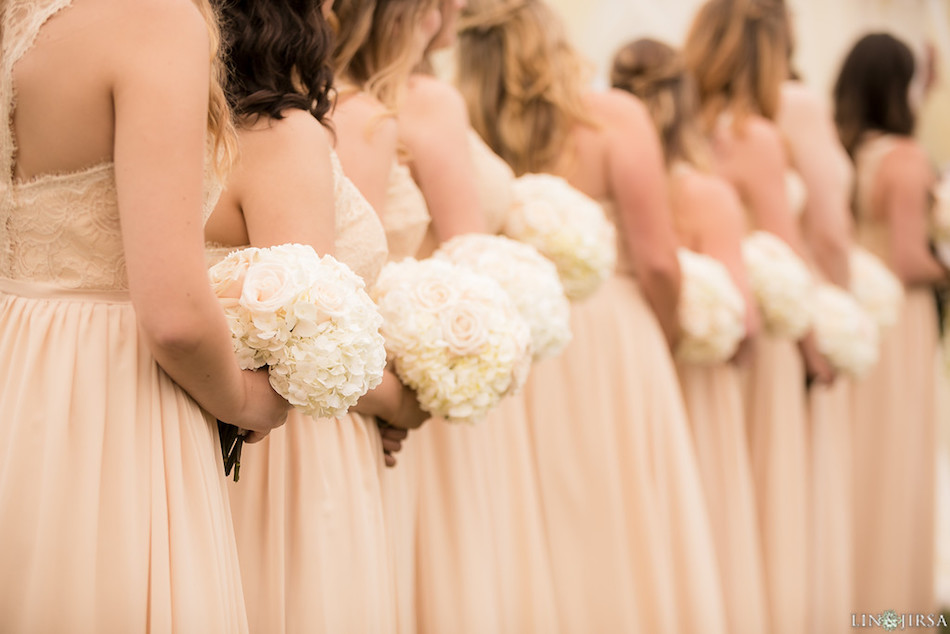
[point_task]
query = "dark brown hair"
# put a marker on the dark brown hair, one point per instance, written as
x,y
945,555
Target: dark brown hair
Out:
x,y
278,56
871,92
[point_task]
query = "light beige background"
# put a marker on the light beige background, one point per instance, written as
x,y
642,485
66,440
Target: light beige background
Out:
x,y
825,30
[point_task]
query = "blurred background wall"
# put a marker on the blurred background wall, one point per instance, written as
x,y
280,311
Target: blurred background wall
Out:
x,y
825,30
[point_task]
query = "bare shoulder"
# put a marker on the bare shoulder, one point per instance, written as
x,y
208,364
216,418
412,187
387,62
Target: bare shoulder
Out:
x,y
906,162
174,22
710,196
296,137
362,112
431,95
615,105
797,97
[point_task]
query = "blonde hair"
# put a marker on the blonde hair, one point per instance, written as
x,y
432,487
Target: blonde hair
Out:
x,y
375,42
522,80
654,72
221,131
738,52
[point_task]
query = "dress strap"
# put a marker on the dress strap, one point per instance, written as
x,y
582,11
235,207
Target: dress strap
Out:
x,y
21,22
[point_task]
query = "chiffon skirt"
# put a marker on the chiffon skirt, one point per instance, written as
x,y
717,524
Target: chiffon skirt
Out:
x,y
831,539
776,420
713,396
112,495
630,539
457,568
894,467
308,517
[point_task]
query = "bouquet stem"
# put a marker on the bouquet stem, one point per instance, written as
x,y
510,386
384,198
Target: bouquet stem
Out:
x,y
232,441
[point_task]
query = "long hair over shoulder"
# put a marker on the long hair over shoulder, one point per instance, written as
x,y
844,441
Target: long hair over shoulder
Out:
x,y
871,91
278,54
522,80
738,52
220,122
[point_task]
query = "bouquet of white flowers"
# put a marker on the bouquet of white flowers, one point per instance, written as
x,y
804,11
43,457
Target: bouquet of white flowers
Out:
x,y
875,288
711,310
530,279
781,283
453,335
845,333
567,227
941,219
308,319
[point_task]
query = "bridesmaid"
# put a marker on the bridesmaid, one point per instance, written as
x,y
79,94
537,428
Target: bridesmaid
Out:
x,y
894,406
527,599
625,515
378,44
116,356
709,219
308,508
815,153
739,101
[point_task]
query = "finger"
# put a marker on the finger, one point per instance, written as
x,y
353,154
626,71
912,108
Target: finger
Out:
x,y
394,433
389,459
255,436
393,446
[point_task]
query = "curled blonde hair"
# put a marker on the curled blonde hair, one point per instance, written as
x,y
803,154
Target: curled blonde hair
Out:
x,y
374,47
522,80
738,52
221,131
654,72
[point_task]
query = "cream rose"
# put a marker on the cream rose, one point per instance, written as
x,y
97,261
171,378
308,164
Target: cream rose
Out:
x,y
268,287
464,328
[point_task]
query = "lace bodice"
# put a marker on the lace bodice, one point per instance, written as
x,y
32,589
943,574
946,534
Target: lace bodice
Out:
x,y
406,217
61,229
360,238
360,241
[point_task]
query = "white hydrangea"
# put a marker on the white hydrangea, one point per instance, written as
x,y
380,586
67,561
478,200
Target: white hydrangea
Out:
x,y
530,279
567,227
845,333
711,310
308,319
875,287
781,283
454,336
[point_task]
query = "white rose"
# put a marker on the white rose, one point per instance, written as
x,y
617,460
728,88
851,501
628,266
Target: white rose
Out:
x,y
464,328
268,287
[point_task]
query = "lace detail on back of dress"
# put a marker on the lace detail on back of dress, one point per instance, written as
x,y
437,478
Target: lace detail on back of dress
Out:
x,y
360,239
61,229
406,217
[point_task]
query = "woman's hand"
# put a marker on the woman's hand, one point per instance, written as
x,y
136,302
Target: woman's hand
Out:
x,y
264,409
392,441
817,368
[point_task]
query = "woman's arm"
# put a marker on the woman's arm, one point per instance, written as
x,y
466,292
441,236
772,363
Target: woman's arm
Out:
x,y
160,96
637,182
905,179
433,124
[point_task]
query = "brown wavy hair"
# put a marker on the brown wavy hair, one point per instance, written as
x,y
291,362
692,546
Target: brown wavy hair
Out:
x,y
871,92
738,52
278,54
522,80
654,72
374,48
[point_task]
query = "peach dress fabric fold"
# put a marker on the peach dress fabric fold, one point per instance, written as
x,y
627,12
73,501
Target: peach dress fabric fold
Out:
x,y
895,428
308,511
713,396
112,497
406,220
630,539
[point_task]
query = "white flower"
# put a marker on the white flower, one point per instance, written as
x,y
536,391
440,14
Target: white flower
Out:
x,y
781,283
567,227
711,310
845,333
463,347
530,280
309,319
875,287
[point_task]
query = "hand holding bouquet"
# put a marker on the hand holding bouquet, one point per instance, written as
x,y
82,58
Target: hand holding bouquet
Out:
x,y
711,310
308,319
565,226
845,333
781,283
875,288
453,335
